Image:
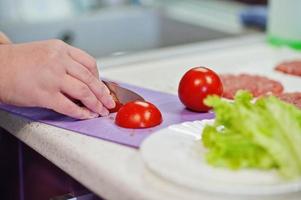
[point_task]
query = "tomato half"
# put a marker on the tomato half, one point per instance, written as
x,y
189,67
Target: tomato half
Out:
x,y
138,114
196,85
118,104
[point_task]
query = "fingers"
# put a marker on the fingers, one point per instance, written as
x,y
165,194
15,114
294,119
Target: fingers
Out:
x,y
4,39
85,59
63,105
80,91
98,88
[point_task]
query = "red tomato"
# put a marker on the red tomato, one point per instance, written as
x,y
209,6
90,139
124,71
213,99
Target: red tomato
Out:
x,y
196,85
118,104
138,114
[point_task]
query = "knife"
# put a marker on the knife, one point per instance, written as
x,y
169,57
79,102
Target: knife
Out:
x,y
122,94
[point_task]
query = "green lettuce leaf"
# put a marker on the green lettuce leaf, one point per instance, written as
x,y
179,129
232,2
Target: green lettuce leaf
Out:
x,y
264,135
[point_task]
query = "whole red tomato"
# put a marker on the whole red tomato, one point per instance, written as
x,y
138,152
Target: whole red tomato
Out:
x,y
138,114
196,85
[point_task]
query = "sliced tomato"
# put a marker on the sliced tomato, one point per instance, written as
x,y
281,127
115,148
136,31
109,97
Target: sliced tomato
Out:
x,y
138,114
118,104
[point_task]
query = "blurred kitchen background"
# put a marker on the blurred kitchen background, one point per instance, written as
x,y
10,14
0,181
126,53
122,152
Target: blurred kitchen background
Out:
x,y
106,28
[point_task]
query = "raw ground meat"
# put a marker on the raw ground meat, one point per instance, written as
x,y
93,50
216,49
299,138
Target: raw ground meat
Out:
x,y
257,85
292,98
290,67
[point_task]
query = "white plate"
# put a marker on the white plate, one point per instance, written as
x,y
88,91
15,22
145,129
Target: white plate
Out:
x,y
176,154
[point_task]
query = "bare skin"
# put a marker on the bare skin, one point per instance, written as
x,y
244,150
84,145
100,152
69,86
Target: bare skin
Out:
x,y
4,39
52,74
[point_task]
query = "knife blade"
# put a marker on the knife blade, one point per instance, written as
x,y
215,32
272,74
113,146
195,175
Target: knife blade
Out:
x,y
122,94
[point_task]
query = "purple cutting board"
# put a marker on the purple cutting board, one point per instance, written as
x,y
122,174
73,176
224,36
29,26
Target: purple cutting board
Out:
x,y
104,128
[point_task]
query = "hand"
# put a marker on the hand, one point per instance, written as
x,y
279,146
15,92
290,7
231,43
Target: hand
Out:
x,y
4,39
52,74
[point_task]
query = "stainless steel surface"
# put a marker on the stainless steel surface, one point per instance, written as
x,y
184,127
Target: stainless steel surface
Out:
x,y
122,94
113,32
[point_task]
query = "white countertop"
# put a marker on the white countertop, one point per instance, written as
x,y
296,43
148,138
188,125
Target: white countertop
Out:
x,y
117,172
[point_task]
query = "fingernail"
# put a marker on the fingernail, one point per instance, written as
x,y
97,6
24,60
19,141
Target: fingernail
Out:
x,y
107,89
99,107
105,113
111,103
93,115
